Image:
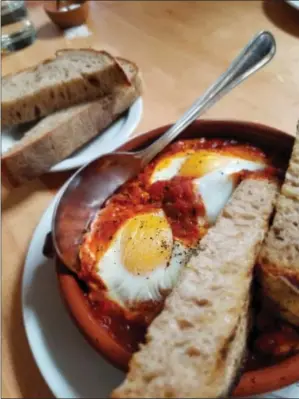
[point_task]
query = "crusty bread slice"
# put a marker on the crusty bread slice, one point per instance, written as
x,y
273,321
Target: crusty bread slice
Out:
x,y
279,257
71,77
58,135
194,348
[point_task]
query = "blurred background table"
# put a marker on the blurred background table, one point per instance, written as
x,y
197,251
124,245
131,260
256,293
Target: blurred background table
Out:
x,y
180,47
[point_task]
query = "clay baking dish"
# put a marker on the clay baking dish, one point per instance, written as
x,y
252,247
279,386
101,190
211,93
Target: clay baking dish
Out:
x,y
70,13
252,382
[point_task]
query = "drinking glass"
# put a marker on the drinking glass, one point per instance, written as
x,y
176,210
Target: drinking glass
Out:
x,y
17,31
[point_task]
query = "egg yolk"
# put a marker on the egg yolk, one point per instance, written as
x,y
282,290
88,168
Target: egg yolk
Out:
x,y
146,243
203,162
170,162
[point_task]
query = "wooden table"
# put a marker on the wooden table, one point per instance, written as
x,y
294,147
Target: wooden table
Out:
x,y
181,47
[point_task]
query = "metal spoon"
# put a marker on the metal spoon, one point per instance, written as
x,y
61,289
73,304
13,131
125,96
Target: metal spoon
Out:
x,y
87,190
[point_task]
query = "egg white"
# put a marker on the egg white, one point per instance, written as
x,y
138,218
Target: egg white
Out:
x,y
196,164
172,169
215,188
126,288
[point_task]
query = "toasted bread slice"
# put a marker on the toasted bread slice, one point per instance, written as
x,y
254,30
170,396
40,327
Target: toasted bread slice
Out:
x,y
279,257
72,77
58,135
194,348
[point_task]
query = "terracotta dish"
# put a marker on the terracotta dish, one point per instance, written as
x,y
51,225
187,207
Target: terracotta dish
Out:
x,y
67,14
264,379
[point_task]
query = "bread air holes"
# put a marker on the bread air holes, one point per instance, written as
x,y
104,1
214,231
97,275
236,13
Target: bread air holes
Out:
x,y
62,95
277,231
202,302
216,287
68,93
150,376
93,81
66,73
184,324
193,351
291,251
169,392
37,112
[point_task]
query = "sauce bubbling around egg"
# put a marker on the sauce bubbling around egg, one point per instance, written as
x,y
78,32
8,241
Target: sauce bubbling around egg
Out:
x,y
139,241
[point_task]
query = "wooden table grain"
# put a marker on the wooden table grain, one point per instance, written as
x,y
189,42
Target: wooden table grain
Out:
x,y
180,47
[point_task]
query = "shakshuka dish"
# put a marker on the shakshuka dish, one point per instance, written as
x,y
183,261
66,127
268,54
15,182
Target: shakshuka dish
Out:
x,y
133,252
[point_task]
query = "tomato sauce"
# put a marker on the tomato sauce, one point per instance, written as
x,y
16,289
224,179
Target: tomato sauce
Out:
x,y
271,339
128,334
183,208
228,147
174,196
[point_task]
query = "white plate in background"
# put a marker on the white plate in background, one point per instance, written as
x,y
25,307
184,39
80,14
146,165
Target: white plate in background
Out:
x,y
110,139
69,365
293,3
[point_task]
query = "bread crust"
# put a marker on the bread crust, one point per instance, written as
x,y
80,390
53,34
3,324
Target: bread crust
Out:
x,y
278,264
195,347
87,87
33,156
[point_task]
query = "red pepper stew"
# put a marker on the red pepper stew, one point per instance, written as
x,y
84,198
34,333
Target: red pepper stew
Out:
x,y
270,340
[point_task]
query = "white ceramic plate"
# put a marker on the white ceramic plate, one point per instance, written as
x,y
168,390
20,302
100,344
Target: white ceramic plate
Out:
x,y
110,139
293,3
69,365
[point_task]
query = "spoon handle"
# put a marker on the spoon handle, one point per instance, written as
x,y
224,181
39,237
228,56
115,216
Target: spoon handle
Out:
x,y
258,52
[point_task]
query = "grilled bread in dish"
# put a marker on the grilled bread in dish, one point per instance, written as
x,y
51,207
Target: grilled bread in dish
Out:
x,y
279,257
195,347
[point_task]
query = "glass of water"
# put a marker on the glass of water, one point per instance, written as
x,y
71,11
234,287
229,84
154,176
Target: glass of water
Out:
x,y
17,31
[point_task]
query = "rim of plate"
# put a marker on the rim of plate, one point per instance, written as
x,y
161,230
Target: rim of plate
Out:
x,y
58,379
130,122
39,356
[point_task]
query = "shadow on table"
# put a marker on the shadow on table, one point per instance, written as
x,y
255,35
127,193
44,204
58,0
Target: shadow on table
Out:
x,y
282,15
13,196
76,365
54,181
48,31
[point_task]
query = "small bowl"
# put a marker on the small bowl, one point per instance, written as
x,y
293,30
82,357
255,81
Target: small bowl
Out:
x,y
70,13
251,383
